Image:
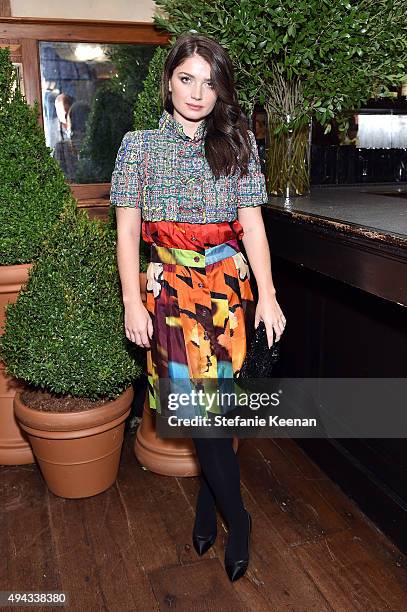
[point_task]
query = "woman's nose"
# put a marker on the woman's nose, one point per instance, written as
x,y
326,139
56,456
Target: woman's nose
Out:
x,y
196,91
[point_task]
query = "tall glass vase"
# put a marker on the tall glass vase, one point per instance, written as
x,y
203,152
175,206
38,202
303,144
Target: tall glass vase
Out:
x,y
288,159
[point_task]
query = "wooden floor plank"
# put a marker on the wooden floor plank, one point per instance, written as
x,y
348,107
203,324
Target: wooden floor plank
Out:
x,y
349,576
130,548
177,515
369,536
294,506
158,502
268,584
97,555
28,555
201,586
273,569
290,452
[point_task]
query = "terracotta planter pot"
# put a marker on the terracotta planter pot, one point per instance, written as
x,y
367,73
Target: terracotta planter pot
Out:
x,y
14,446
78,452
166,456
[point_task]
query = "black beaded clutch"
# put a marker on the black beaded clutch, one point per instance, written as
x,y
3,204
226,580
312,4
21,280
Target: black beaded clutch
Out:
x,y
260,360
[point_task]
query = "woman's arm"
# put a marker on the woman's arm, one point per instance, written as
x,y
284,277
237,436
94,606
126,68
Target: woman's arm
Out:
x,y
257,248
137,321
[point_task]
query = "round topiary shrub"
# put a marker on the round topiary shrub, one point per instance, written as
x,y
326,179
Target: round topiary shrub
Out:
x,y
65,333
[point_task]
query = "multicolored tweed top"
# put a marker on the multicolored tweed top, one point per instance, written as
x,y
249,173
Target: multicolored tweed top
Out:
x,y
166,174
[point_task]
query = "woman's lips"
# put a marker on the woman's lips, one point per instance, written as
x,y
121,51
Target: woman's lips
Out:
x,y
194,106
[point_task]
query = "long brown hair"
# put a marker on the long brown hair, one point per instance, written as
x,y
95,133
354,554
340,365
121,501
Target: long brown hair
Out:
x,y
227,144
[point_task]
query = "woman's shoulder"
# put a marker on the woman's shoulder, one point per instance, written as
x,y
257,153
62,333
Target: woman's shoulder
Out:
x,y
140,139
140,135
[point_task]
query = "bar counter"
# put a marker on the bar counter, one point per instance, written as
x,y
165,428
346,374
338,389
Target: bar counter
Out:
x,y
355,234
375,211
339,264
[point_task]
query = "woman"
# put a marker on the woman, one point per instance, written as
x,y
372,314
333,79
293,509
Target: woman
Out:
x,y
193,187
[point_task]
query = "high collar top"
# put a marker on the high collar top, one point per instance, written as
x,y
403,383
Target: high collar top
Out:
x,y
166,174
167,123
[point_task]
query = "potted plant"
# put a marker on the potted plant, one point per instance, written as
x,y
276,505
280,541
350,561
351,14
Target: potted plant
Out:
x,y
64,338
33,193
300,60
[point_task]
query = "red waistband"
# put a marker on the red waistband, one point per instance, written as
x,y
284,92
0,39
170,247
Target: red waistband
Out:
x,y
190,235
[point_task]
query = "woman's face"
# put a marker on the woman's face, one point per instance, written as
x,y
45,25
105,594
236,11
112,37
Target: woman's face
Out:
x,y
193,95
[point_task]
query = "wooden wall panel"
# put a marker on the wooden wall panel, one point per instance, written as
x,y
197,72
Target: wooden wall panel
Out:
x,y
31,68
82,31
5,8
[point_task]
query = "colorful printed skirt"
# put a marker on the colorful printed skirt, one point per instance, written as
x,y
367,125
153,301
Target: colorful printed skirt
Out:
x,y
201,305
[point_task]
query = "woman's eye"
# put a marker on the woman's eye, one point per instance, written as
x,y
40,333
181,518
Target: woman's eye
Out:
x,y
185,79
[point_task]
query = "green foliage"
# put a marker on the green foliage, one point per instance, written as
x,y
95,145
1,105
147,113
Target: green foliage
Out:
x,y
111,111
299,57
33,191
65,333
109,119
149,106
131,63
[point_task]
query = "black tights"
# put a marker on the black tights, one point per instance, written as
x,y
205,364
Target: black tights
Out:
x,y
220,485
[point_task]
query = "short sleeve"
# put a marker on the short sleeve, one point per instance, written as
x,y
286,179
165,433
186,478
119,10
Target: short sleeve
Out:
x,y
251,189
127,177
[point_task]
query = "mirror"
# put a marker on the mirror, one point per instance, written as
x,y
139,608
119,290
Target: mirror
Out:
x,y
88,97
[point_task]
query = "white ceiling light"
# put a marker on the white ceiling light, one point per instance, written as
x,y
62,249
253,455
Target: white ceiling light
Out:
x,y
86,53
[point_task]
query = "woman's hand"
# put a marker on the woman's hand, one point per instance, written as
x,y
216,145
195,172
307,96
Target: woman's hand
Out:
x,y
256,245
269,311
138,324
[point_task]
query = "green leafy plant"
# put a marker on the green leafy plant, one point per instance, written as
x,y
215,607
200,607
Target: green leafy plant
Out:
x,y
111,111
148,105
109,119
300,58
65,333
33,191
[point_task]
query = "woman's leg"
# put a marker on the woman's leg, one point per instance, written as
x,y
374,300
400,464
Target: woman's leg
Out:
x,y
205,513
220,467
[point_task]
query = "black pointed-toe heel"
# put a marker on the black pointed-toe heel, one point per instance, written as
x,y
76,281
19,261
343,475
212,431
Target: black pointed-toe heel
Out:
x,y
236,569
203,543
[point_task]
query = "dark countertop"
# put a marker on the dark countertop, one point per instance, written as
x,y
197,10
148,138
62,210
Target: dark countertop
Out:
x,y
374,211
